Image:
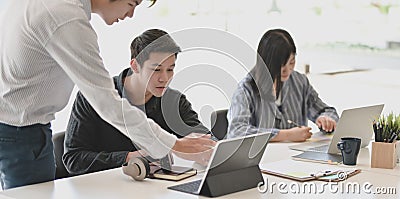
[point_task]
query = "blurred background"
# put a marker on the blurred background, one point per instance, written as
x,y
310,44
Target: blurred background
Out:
x,y
352,47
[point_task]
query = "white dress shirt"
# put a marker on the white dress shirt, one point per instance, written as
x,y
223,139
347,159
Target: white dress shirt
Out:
x,y
47,46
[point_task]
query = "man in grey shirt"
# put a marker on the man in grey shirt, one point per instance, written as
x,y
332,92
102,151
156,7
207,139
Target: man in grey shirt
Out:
x,y
47,46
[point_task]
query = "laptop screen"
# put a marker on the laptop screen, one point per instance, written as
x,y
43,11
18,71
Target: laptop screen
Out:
x,y
356,122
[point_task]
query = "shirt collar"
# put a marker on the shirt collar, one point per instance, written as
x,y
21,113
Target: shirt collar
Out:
x,y
119,81
87,6
119,85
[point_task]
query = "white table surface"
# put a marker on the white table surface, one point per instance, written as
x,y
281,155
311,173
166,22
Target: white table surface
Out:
x,y
113,184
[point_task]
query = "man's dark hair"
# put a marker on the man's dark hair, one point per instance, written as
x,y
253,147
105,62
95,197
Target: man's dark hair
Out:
x,y
153,40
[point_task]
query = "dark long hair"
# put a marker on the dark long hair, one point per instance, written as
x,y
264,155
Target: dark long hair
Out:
x,y
273,52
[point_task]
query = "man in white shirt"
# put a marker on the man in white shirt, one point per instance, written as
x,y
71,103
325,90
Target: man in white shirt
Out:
x,y
47,46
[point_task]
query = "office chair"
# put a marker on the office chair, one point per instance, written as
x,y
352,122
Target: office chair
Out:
x,y
58,142
219,123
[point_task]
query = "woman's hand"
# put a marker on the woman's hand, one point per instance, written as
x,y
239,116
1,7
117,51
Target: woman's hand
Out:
x,y
326,123
299,134
296,134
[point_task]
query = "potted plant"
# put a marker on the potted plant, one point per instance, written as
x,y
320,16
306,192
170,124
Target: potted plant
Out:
x,y
385,148
388,126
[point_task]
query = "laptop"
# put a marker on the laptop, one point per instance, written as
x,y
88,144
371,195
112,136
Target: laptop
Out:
x,y
356,122
233,167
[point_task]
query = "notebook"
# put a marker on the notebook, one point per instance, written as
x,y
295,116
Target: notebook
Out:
x,y
356,122
233,167
175,174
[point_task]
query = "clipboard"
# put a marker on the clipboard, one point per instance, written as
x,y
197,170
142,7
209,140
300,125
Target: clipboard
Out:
x,y
305,171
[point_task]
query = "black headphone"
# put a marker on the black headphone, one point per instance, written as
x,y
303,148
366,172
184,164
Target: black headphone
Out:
x,y
138,168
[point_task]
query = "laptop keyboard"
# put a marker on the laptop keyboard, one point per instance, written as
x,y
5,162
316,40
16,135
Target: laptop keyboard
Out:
x,y
323,148
189,187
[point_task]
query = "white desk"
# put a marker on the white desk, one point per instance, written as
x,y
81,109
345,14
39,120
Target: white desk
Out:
x,y
113,184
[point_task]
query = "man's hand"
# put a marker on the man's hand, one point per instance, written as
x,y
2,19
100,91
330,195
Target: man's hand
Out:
x,y
195,147
135,154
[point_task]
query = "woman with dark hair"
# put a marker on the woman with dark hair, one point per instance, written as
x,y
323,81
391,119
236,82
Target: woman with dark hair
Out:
x,y
274,97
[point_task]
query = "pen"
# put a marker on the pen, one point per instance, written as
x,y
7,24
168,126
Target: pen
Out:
x,y
294,123
390,136
379,130
375,131
321,174
213,136
393,137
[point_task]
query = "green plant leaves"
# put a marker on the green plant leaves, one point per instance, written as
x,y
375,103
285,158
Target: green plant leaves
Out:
x,y
390,123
